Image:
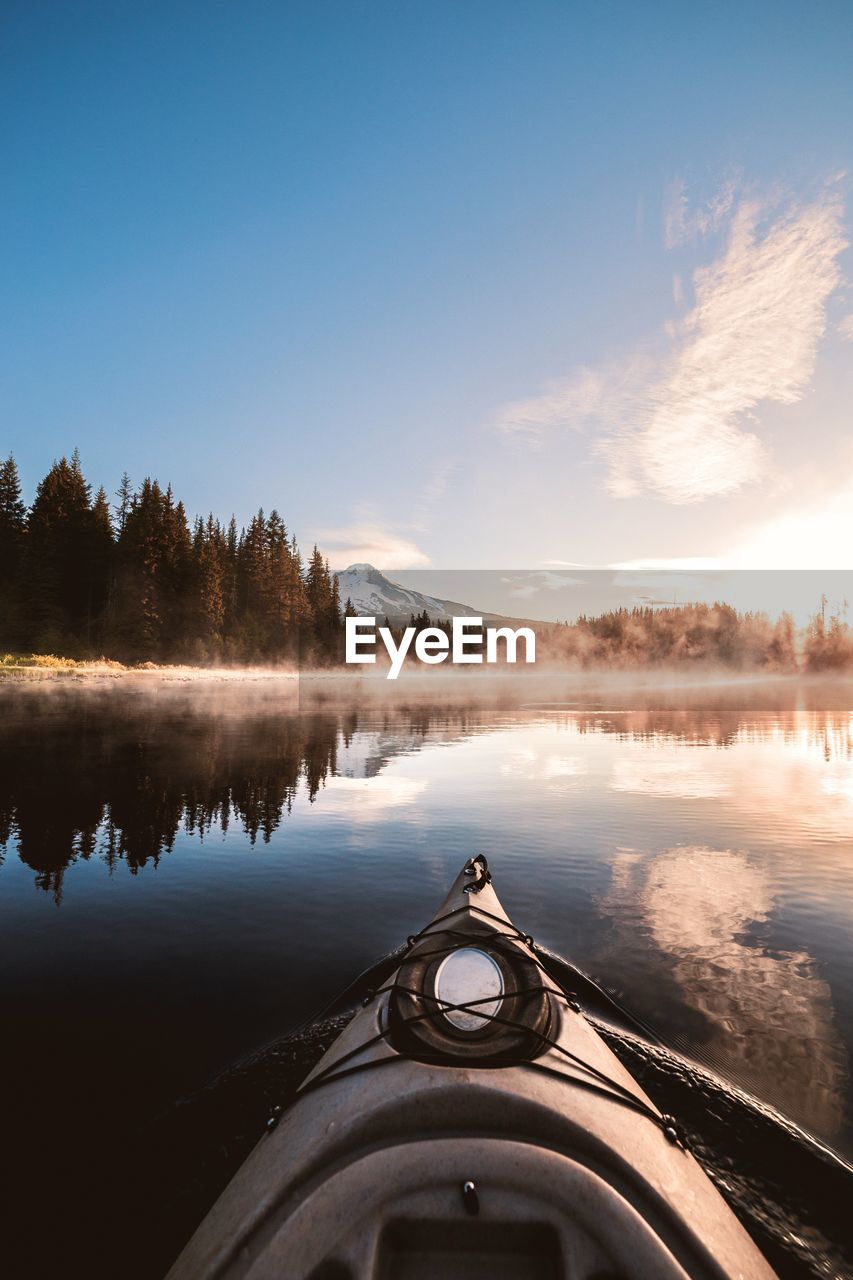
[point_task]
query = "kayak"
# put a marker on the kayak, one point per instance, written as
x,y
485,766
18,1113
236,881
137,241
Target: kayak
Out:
x,y
470,1122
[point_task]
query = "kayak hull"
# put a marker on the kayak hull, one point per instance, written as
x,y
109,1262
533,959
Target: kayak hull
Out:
x,y
394,1166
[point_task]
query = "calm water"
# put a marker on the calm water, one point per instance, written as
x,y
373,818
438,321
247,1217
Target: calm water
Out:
x,y
189,870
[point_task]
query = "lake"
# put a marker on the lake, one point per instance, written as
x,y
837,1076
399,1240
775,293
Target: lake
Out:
x,y
191,868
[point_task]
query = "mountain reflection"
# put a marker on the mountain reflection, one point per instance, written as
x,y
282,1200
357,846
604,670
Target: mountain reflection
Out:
x,y
724,916
118,776
118,772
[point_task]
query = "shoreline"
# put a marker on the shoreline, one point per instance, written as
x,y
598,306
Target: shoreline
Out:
x,y
89,672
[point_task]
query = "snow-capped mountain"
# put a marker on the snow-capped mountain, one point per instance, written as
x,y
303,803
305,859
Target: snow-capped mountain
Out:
x,y
374,595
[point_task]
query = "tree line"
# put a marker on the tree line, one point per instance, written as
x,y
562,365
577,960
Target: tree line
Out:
x,y
134,580
707,635
700,635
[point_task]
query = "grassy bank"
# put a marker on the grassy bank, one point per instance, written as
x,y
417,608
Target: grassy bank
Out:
x,y
53,664
43,666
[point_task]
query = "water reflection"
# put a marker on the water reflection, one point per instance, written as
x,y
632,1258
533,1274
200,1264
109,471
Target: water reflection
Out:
x,y
121,781
693,849
118,774
685,778
817,715
769,1012
370,797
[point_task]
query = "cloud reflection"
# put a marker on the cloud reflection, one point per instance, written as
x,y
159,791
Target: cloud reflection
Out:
x,y
685,778
371,797
770,1012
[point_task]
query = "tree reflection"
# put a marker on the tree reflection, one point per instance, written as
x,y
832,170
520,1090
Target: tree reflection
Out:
x,y
119,772
120,779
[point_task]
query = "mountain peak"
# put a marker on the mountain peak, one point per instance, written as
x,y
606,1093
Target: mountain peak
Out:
x,y
374,595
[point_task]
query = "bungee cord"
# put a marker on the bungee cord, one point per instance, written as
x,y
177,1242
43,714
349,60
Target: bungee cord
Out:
x,y
597,1080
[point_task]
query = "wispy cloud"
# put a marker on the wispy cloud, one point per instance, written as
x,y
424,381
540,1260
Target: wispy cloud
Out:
x,y
434,490
567,402
436,484
675,421
371,543
683,223
567,564
751,336
668,562
845,328
525,585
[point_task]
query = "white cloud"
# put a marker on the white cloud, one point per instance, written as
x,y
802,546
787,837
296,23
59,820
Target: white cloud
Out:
x,y
845,328
566,403
682,224
690,779
751,336
371,543
674,422
542,765
368,798
567,564
530,584
652,563
675,214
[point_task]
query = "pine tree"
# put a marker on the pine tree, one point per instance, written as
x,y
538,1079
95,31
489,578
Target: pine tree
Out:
x,y
13,513
279,593
176,576
140,621
324,608
301,618
57,556
322,624
13,528
124,493
13,520
208,565
229,588
99,566
252,589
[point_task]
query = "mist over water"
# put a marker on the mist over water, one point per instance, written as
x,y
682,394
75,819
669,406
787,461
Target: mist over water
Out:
x,y
189,871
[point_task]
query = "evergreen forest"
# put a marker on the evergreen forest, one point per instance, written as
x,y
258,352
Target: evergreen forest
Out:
x,y
134,580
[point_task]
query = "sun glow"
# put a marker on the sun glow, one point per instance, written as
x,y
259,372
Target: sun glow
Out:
x,y
819,536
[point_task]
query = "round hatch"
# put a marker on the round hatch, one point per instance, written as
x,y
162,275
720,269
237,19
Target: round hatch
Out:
x,y
468,975
494,974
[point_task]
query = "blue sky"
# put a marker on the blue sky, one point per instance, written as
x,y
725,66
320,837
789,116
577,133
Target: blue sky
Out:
x,y
452,284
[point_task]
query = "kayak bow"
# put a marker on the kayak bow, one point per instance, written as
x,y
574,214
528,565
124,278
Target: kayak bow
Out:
x,y
470,1122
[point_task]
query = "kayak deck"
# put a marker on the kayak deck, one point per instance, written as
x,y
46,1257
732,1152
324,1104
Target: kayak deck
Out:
x,y
470,1122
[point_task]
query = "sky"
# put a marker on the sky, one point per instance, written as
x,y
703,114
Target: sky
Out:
x,y
468,285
